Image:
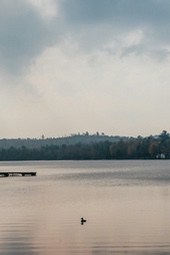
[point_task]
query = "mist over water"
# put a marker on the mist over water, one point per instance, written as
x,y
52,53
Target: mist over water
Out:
x,y
126,205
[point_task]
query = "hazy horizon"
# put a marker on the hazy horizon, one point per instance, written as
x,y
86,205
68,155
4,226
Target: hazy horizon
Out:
x,y
69,66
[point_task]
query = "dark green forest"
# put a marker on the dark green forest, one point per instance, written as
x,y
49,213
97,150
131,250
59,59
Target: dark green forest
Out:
x,y
151,147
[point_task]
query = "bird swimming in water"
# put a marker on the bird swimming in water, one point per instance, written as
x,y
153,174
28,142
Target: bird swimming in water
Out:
x,y
82,221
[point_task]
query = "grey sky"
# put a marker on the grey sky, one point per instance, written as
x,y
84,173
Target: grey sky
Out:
x,y
68,66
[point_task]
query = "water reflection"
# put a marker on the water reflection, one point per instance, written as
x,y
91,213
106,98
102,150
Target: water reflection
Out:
x,y
126,205
16,239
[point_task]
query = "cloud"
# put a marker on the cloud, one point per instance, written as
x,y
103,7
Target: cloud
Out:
x,y
23,35
97,22
123,12
98,92
46,8
84,65
28,27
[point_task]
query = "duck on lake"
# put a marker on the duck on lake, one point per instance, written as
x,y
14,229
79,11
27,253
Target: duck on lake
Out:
x,y
82,221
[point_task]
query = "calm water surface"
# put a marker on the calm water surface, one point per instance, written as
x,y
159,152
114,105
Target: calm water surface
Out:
x,y
126,204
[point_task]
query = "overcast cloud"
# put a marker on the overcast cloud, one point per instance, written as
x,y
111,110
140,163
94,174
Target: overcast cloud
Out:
x,y
68,66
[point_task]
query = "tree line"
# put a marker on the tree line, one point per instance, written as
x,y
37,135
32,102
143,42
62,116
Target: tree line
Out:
x,y
33,143
151,147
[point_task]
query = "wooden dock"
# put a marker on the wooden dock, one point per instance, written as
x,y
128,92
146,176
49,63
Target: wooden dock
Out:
x,y
7,174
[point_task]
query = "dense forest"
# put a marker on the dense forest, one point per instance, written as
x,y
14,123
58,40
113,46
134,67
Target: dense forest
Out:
x,y
151,147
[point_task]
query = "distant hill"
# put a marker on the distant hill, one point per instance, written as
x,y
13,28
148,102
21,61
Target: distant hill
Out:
x,y
68,140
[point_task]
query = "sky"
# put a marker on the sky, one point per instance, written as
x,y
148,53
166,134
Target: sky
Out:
x,y
69,66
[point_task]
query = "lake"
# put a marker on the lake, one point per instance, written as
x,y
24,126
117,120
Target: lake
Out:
x,y
126,205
